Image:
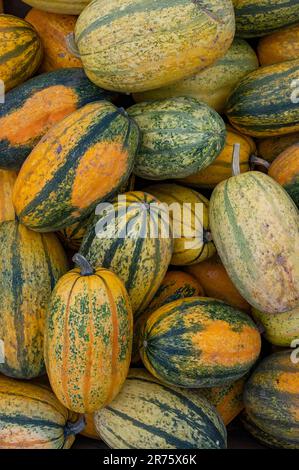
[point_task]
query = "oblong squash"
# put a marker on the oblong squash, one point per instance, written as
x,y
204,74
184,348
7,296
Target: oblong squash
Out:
x,y
129,46
180,136
280,329
88,338
67,7
73,235
21,51
82,160
260,252
280,46
149,415
7,181
199,342
270,147
30,265
285,170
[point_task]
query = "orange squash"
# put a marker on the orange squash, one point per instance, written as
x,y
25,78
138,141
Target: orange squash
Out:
x,y
280,46
271,147
90,428
285,170
7,181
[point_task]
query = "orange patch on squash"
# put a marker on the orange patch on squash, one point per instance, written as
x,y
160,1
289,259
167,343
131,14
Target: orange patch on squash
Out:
x,y
288,382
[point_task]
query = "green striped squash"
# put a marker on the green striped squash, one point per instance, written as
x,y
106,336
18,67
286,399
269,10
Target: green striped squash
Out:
x,y
30,265
180,136
261,17
255,227
133,45
73,235
272,398
280,329
264,103
81,161
213,84
132,237
31,109
199,342
263,437
149,415
65,7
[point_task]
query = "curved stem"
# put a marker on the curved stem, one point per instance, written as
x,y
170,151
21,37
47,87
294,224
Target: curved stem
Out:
x,y
255,160
71,45
72,429
236,160
84,265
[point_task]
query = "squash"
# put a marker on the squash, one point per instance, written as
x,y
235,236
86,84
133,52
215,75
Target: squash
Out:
x,y
149,415
270,147
214,84
90,429
53,30
280,46
280,329
73,235
81,161
88,337
189,213
132,237
30,266
259,18
21,51
66,7
213,277
7,181
272,398
180,136
130,46
285,170
199,342
33,108
260,252
33,418
264,103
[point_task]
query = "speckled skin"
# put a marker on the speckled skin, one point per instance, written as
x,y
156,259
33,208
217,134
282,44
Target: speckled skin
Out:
x,y
68,7
280,329
7,181
285,170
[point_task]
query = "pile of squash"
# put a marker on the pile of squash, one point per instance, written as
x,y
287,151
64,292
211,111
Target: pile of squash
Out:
x,y
116,321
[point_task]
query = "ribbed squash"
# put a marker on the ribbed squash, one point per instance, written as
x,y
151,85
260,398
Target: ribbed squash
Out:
x,y
82,160
213,277
33,418
88,338
21,51
221,168
213,84
272,398
149,415
280,46
199,342
73,235
180,136
133,46
30,266
265,102
189,213
285,170
280,329
90,429
33,108
271,147
53,30
67,7
254,225
261,17
132,237
7,181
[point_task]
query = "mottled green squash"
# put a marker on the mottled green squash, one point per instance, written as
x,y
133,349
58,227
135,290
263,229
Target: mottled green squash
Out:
x,y
280,329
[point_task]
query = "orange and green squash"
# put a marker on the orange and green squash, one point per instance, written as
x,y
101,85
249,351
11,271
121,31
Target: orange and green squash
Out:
x,y
280,329
280,46
73,235
271,147
7,181
285,170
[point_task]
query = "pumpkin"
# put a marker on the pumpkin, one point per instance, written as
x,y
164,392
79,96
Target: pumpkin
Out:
x,y
30,266
270,147
7,181
279,329
81,161
33,108
130,46
189,212
88,337
213,277
180,136
33,418
149,415
271,398
67,7
21,51
53,30
132,237
280,46
199,342
213,84
285,170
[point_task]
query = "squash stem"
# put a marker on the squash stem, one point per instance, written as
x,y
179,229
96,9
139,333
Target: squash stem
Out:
x,y
72,429
255,160
236,160
207,236
84,265
71,45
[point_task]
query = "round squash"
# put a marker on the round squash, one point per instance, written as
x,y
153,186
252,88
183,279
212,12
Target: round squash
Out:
x,y
149,415
213,277
280,46
213,84
280,329
129,46
30,265
132,237
254,225
53,30
265,102
285,170
88,337
33,418
82,160
21,51
271,398
66,7
199,342
180,136
33,108
271,147
189,213
7,181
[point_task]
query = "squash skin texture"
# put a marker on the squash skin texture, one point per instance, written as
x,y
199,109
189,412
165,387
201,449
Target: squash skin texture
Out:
x,y
270,148
7,181
280,329
66,7
280,46
285,170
